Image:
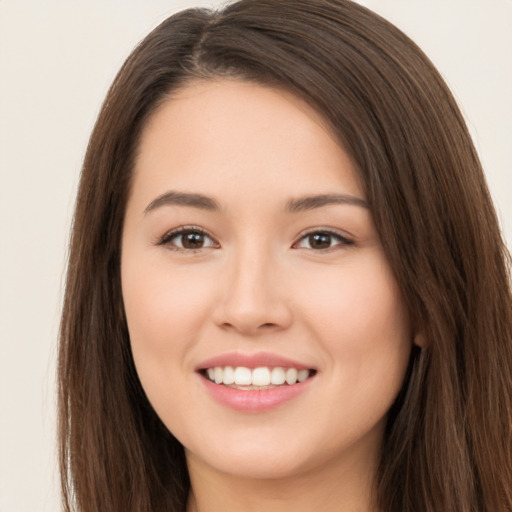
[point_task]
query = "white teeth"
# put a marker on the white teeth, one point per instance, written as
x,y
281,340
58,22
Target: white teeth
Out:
x,y
302,375
291,376
218,375
258,377
277,376
229,375
261,377
243,376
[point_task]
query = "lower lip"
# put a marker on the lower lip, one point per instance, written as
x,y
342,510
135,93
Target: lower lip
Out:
x,y
254,400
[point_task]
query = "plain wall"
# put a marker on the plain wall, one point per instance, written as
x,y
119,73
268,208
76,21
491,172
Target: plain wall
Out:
x,y
57,59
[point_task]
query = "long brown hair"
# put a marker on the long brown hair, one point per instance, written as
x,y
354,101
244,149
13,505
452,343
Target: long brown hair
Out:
x,y
448,443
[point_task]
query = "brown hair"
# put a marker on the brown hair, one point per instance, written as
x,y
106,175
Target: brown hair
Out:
x,y
448,444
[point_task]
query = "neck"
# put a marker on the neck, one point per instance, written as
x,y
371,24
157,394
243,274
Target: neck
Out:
x,y
341,487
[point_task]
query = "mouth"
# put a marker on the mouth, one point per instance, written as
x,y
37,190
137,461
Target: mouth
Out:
x,y
255,382
256,379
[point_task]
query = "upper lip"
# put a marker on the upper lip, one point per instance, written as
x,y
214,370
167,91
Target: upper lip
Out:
x,y
254,360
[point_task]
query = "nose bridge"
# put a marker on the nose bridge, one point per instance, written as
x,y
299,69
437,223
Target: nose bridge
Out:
x,y
251,274
254,294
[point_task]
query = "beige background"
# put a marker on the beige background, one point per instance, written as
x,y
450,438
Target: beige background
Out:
x,y
57,59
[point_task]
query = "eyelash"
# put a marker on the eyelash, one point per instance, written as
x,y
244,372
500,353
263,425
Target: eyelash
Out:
x,y
343,241
166,240
175,233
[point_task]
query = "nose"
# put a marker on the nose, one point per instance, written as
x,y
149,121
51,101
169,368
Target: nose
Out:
x,y
253,296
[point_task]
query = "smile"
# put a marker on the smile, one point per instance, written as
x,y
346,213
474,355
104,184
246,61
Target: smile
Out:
x,y
261,378
257,382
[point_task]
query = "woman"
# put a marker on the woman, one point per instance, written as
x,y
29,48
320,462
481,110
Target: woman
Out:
x,y
287,286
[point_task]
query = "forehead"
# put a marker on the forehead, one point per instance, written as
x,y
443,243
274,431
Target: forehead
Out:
x,y
226,137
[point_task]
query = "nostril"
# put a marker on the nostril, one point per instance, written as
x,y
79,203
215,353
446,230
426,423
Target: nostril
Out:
x,y
264,326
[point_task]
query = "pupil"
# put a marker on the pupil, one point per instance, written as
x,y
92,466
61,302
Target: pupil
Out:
x,y
320,241
193,240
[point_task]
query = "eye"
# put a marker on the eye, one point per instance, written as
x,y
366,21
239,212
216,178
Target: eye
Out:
x,y
188,239
322,240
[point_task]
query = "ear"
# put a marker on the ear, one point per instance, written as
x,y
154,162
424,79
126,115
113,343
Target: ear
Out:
x,y
419,339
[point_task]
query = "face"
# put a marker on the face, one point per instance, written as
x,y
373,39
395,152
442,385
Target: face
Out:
x,y
266,326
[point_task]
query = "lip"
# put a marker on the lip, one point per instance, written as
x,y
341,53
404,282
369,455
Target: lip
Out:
x,y
252,361
253,401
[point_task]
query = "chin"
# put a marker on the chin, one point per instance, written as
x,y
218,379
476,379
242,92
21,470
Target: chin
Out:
x,y
278,453
249,464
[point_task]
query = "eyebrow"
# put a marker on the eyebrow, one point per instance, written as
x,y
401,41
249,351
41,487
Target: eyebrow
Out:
x,y
183,199
311,202
203,202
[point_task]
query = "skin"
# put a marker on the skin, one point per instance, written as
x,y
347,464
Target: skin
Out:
x,y
258,284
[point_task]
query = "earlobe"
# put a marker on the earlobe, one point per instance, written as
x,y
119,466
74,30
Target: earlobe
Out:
x,y
419,340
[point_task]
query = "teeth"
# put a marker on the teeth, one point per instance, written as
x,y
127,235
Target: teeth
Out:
x,y
260,377
218,375
229,375
243,376
277,376
291,376
256,378
302,375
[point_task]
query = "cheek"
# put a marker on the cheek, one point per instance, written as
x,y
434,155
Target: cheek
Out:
x,y
161,299
360,319
165,309
360,297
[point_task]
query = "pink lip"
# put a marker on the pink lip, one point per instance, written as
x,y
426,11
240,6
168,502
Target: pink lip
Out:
x,y
254,400
255,360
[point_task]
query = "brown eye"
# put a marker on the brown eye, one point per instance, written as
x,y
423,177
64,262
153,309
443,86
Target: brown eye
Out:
x,y
319,241
322,240
192,240
188,239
